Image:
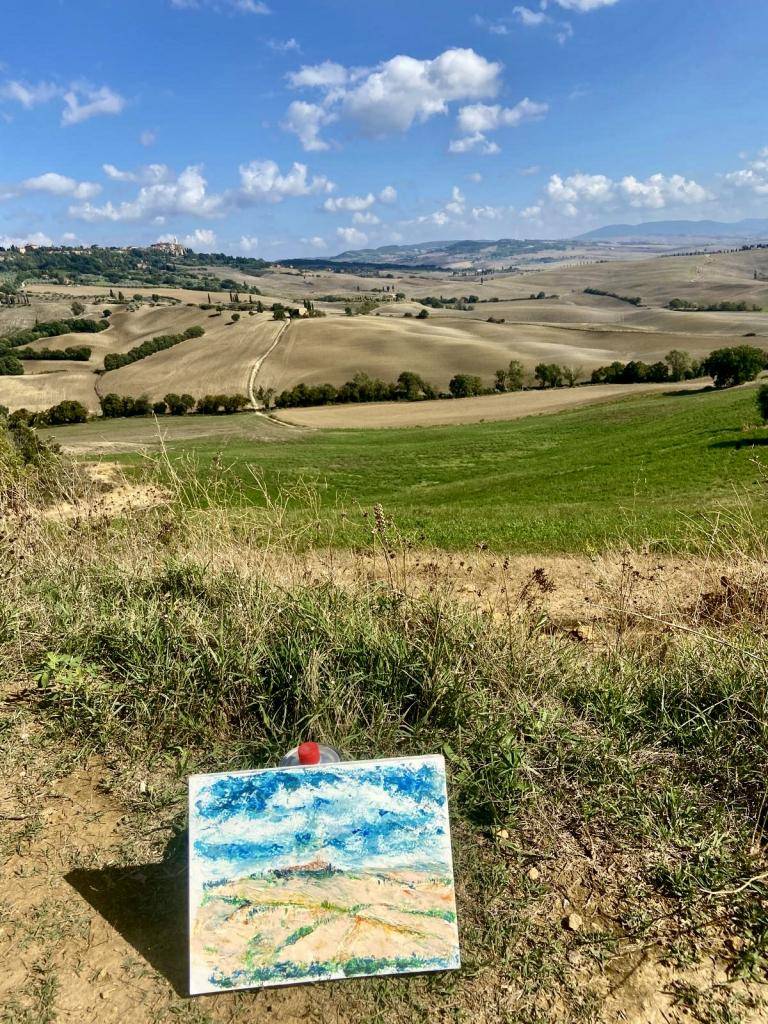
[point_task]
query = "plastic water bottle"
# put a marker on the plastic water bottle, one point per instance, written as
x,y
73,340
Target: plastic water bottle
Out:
x,y
310,753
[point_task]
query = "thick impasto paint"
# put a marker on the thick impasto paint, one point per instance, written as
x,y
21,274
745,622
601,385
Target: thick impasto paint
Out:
x,y
309,874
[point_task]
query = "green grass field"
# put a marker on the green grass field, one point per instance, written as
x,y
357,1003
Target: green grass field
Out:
x,y
645,469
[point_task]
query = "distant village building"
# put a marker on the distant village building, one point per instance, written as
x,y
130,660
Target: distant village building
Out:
x,y
169,248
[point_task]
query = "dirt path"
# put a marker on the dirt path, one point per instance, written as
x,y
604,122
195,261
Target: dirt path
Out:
x,y
260,362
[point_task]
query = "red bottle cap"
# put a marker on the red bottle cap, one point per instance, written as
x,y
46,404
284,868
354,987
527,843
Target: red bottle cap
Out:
x,y
309,753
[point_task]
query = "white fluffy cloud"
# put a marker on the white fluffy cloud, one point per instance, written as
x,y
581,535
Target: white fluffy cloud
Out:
x,y
60,185
262,180
578,192
305,120
238,6
532,19
583,6
38,238
753,177
82,101
396,93
365,218
187,194
477,119
150,174
351,236
315,242
453,210
199,238
349,204
248,244
29,95
388,194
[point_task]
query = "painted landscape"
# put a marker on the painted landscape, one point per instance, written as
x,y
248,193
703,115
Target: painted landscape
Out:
x,y
384,905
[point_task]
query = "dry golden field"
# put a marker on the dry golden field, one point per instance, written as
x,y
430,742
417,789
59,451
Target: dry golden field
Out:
x,y
573,329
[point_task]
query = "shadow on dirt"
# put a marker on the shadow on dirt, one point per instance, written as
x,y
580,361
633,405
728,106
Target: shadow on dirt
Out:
x,y
147,905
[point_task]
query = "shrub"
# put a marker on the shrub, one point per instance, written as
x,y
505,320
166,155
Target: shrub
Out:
x,y
465,385
179,405
217,405
77,308
10,365
66,412
736,365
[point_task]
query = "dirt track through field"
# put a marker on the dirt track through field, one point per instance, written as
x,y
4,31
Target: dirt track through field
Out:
x,y
260,361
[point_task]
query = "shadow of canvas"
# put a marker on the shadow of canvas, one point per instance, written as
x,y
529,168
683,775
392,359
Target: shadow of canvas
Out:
x,y
147,905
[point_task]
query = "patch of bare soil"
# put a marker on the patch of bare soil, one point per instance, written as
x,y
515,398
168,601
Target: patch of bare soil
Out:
x,y
93,882
108,495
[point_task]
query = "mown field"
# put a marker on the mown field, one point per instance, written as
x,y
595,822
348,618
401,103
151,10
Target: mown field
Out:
x,y
651,469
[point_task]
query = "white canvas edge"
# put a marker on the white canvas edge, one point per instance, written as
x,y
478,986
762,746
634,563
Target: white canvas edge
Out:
x,y
193,790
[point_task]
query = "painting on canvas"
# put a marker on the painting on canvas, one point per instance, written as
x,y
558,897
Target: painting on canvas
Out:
x,y
307,874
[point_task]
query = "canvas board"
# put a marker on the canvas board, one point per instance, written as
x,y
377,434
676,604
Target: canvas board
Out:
x,y
310,874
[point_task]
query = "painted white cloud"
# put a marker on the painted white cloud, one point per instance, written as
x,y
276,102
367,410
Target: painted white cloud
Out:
x,y
388,194
476,120
305,120
60,185
365,218
83,102
261,180
399,92
351,236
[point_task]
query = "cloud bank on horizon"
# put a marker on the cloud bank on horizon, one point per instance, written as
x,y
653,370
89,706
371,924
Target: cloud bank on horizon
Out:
x,y
295,139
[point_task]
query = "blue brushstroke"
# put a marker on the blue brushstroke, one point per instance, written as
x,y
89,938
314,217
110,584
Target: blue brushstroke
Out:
x,y
344,828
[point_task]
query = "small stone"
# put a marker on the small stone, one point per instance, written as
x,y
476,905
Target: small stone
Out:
x,y
502,833
734,943
533,874
574,922
143,786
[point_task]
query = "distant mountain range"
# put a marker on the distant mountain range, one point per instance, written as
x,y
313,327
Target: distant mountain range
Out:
x,y
450,252
742,229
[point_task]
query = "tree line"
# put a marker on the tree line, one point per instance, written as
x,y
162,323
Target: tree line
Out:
x,y
121,406
633,300
114,360
714,307
78,353
11,351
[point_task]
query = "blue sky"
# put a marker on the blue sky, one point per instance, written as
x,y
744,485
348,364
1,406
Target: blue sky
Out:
x,y
288,127
391,815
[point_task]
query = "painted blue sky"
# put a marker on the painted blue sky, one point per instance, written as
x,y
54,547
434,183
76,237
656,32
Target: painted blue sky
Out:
x,y
290,127
393,814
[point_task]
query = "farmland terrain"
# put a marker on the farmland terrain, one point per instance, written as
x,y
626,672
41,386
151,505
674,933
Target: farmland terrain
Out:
x,y
565,325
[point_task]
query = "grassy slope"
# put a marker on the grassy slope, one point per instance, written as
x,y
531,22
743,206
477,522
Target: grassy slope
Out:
x,y
565,482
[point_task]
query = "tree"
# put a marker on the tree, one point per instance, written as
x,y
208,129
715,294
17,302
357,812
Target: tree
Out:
x,y
10,365
159,408
500,382
235,317
67,412
179,405
515,375
279,313
77,308
107,314
112,406
550,375
422,314
465,385
411,387
572,374
680,364
736,365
